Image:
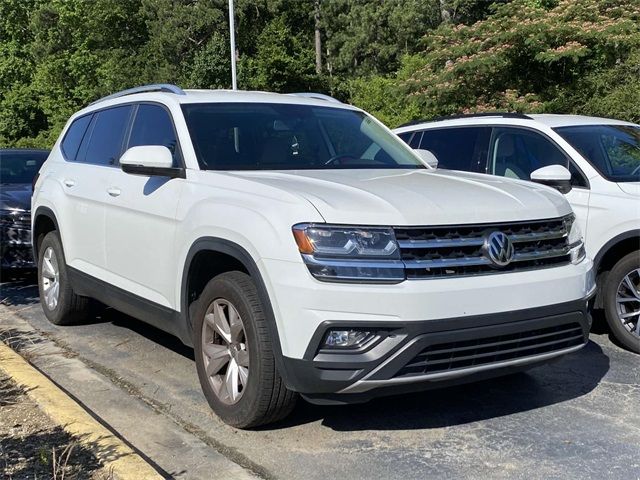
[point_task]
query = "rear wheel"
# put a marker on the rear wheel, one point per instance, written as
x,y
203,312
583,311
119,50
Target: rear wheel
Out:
x,y
622,301
60,303
234,354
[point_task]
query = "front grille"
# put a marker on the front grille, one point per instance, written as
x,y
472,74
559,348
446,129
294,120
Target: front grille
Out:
x,y
452,251
451,356
15,218
15,228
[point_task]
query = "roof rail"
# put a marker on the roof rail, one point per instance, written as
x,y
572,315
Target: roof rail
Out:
x,y
469,115
155,87
317,96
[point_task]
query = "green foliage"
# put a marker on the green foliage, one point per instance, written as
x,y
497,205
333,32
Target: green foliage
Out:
x,y
283,61
530,57
400,59
365,37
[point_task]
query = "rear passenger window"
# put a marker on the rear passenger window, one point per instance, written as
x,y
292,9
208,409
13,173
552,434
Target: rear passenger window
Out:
x,y
73,137
103,142
463,149
153,126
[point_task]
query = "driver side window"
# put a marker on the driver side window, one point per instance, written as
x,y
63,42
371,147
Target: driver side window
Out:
x,y
516,153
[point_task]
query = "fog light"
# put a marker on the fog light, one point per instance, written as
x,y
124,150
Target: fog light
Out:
x,y
346,338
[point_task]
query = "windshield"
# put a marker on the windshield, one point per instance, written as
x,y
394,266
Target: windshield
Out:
x,y
262,136
20,167
613,150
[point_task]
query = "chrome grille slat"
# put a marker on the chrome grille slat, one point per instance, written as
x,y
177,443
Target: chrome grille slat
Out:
x,y
450,251
446,263
558,252
537,237
441,243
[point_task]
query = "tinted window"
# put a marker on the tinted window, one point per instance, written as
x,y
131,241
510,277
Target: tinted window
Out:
x,y
458,148
20,167
517,152
289,137
103,142
613,150
405,137
153,126
415,140
73,137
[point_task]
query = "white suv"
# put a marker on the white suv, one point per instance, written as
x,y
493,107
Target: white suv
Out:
x,y
299,246
602,185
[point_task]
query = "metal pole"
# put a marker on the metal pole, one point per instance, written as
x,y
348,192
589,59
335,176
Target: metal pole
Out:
x,y
232,39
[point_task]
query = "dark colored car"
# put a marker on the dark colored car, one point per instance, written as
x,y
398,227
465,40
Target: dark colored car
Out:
x,y
18,167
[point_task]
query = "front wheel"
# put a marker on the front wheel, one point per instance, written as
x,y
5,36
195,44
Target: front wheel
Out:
x,y
61,305
234,354
622,301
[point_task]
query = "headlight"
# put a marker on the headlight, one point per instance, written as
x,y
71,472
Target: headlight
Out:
x,y
350,254
575,240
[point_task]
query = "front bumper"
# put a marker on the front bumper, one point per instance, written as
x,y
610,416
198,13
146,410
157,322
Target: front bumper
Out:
x,y
15,247
411,356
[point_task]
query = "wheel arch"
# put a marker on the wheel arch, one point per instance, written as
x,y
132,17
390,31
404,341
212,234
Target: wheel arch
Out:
x,y
239,259
616,248
609,254
44,221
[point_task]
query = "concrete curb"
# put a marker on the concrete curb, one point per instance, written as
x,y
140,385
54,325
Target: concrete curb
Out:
x,y
112,452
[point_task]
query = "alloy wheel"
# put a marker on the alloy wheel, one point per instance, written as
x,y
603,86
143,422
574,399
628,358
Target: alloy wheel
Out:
x,y
50,278
628,302
225,351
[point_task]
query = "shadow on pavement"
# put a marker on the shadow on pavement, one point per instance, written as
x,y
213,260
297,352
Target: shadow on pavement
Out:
x,y
570,377
18,287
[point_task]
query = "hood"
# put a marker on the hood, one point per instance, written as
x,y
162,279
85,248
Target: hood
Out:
x,y
632,188
416,197
15,196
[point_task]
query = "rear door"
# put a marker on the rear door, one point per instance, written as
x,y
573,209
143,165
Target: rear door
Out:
x,y
141,215
459,148
90,148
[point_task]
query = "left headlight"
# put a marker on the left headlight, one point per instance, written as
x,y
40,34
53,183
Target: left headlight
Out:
x,y
575,240
350,253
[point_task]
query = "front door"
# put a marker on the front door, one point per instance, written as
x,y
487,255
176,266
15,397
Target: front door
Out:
x,y
141,216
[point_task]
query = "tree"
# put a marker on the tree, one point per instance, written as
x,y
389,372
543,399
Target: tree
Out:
x,y
524,57
364,37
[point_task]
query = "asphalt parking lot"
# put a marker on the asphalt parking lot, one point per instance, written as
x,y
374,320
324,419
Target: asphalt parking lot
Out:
x,y
576,418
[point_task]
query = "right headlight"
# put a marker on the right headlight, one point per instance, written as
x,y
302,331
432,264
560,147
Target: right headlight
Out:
x,y
350,253
575,239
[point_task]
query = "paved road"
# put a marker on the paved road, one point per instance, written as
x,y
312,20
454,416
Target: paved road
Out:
x,y
576,418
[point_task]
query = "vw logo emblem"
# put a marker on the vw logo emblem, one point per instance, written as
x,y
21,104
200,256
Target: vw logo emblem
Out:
x,y
499,249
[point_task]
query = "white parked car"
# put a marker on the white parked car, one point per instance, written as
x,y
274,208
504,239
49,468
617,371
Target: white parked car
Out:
x,y
300,246
602,185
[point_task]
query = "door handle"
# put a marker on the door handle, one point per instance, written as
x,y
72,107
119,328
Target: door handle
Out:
x,y
114,191
69,183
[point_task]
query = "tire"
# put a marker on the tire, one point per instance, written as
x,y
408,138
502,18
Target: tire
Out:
x,y
263,397
616,287
67,308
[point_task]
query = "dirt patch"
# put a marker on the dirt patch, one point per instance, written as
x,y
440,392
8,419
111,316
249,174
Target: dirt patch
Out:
x,y
33,447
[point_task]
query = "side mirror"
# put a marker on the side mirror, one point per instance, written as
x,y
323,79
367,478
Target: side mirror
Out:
x,y
150,160
428,157
555,176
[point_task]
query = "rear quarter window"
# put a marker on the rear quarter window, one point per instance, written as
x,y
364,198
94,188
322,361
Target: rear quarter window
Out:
x,y
73,137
